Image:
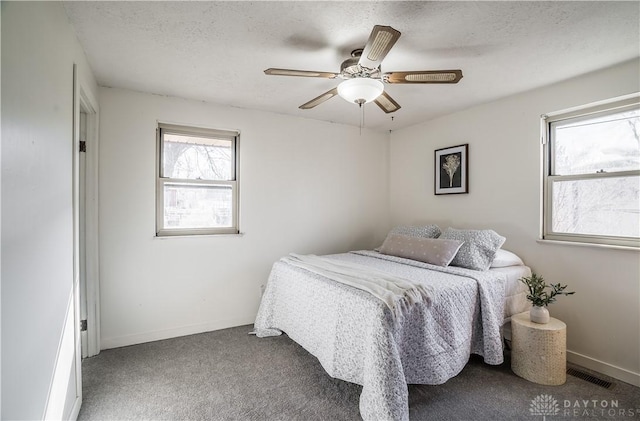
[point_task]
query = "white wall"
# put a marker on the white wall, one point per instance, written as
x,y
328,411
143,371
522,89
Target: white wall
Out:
x,y
305,186
603,317
38,52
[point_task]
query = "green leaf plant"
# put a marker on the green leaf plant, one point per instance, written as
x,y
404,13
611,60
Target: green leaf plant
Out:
x,y
541,294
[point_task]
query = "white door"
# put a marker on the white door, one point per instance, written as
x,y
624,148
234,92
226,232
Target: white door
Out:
x,y
65,394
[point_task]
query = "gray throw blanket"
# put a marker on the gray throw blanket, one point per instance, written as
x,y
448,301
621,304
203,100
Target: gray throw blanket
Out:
x,y
397,293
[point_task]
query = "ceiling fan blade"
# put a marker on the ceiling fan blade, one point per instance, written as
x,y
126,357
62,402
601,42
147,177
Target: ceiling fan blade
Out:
x,y
386,103
319,99
423,76
380,41
303,73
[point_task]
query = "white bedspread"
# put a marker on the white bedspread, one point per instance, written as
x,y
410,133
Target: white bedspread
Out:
x,y
356,338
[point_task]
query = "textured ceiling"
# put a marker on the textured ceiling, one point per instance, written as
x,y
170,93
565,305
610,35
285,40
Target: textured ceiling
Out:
x,y
217,51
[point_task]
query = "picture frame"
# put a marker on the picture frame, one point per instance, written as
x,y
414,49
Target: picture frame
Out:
x,y
452,170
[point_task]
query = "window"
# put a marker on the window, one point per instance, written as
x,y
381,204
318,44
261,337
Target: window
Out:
x,y
592,173
197,181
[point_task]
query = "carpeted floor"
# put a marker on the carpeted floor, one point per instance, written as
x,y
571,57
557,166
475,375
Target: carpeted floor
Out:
x,y
230,375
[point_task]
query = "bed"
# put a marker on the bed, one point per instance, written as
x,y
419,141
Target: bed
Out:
x,y
358,337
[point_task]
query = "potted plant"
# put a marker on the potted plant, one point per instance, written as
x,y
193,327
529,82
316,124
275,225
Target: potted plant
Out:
x,y
541,295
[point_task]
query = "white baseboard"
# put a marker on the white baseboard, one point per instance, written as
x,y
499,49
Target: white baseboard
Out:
x,y
158,335
604,368
75,411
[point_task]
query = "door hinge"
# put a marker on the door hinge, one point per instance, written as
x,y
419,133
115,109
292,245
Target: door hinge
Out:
x,y
83,146
83,325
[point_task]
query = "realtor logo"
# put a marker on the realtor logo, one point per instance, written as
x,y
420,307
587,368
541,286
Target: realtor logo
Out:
x,y
544,405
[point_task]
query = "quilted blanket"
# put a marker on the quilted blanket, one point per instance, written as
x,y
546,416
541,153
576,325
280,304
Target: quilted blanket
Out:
x,y
358,339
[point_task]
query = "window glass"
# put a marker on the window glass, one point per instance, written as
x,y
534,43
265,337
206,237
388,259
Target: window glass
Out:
x,y
602,206
605,143
187,206
197,158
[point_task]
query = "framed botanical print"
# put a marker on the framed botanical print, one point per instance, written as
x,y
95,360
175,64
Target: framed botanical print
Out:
x,y
452,170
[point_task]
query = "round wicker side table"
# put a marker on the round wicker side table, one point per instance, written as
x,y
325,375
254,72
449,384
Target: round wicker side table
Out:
x,y
539,351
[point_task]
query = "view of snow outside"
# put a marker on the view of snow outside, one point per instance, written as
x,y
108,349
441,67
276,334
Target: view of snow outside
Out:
x,y
197,205
597,206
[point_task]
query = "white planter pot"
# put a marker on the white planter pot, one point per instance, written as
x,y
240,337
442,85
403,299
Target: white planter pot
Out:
x,y
539,315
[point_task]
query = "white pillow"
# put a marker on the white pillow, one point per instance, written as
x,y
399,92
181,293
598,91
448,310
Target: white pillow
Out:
x,y
506,258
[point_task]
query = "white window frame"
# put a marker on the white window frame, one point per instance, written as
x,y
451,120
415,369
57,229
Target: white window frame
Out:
x,y
161,180
547,120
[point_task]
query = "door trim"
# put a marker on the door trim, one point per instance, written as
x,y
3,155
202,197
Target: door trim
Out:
x,y
89,105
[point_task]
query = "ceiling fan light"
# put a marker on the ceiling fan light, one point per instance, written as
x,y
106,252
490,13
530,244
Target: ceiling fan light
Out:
x,y
360,90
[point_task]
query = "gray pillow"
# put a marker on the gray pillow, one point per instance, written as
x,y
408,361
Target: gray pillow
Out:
x,y
478,250
434,251
427,231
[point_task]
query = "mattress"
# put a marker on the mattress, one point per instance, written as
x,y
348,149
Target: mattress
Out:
x,y
515,291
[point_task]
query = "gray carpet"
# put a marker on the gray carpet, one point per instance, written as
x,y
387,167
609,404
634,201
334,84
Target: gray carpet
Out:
x,y
229,375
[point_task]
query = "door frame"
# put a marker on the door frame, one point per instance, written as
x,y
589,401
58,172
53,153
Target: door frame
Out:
x,y
88,104
84,100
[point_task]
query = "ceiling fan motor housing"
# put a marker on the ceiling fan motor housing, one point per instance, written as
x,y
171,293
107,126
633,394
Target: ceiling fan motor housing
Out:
x,y
350,68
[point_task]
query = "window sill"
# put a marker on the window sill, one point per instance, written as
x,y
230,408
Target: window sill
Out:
x,y
593,245
166,237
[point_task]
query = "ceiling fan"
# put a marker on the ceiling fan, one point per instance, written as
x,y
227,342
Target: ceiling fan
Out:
x,y
362,75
